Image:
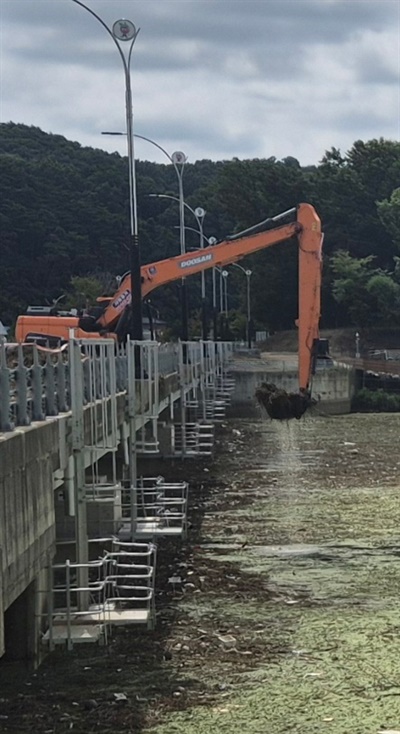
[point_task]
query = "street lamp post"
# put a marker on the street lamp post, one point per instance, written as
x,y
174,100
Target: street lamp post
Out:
x,y
210,241
221,292
357,345
124,31
225,274
179,160
223,296
200,214
213,241
248,274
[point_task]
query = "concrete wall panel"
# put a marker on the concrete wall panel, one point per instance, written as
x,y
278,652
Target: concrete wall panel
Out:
x,y
27,521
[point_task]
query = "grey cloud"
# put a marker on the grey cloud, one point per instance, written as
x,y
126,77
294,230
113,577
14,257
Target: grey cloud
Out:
x,y
365,124
203,132
249,57
372,70
273,29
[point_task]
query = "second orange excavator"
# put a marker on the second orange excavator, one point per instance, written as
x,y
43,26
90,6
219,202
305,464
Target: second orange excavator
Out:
x,y
110,316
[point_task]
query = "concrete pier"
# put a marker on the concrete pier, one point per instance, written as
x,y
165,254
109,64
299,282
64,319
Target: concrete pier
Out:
x,y
28,459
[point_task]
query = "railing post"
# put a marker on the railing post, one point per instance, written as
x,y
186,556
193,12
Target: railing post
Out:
x,y
182,383
61,381
5,403
68,600
50,387
22,390
50,600
37,391
132,366
78,444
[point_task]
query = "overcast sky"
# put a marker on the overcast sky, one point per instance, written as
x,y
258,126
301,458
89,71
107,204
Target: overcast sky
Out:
x,y
216,79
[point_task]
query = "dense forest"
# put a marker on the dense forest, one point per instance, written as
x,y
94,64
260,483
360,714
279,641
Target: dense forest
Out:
x,y
64,227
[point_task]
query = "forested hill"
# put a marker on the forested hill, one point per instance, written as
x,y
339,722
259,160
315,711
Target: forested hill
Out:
x,y
64,213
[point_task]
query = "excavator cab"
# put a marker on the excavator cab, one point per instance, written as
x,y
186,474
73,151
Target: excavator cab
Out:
x,y
89,318
320,355
323,349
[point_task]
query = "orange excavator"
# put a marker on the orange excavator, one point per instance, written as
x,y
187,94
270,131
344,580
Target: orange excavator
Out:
x,y
110,316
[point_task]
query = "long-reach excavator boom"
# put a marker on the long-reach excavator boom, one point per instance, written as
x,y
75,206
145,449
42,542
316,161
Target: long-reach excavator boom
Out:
x,y
307,228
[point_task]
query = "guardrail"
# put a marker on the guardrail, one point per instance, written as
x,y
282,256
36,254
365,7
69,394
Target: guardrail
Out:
x,y
386,367
35,382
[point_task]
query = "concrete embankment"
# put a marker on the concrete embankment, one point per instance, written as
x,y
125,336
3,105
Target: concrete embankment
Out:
x,y
27,528
333,385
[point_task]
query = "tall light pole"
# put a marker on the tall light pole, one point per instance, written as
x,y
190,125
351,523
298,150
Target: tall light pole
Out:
x,y
223,301
248,274
124,31
178,160
213,241
357,336
210,241
200,214
221,291
225,274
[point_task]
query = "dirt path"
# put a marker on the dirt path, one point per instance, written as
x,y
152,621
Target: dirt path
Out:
x,y
287,616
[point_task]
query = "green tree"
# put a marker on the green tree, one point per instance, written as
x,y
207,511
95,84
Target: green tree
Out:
x,y
84,291
389,214
386,296
370,295
65,214
351,276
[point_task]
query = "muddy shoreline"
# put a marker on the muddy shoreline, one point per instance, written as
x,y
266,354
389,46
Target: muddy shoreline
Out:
x,y
286,617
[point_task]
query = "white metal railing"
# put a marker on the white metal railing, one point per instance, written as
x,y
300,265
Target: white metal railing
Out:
x,y
35,382
86,598
151,508
197,439
120,590
144,391
94,385
206,386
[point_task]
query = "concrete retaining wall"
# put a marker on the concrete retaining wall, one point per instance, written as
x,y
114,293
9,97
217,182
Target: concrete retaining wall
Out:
x,y
29,458
333,387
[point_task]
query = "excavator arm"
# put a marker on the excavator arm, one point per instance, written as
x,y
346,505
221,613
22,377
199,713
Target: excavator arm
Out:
x,y
307,228
106,318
